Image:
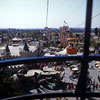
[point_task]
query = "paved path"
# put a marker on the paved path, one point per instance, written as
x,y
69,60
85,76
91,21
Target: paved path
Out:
x,y
66,78
94,73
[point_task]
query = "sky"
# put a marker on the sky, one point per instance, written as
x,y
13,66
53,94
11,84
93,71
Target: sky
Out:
x,y
32,13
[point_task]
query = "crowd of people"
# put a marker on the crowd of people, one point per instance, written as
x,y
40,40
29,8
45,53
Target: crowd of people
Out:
x,y
92,85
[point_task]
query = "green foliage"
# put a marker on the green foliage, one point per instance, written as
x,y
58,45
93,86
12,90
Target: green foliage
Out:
x,y
78,35
92,43
95,43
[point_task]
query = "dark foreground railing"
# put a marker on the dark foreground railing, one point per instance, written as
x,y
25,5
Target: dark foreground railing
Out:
x,y
84,59
51,95
31,60
77,93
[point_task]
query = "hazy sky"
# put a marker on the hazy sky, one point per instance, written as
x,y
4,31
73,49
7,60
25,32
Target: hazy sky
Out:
x,y
32,13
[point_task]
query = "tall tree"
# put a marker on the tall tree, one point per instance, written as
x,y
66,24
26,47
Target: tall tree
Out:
x,y
96,31
99,31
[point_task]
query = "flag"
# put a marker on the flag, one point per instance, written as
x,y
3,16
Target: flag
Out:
x,y
65,22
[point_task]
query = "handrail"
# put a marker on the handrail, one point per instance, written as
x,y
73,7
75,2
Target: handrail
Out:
x,y
37,59
51,95
47,59
28,60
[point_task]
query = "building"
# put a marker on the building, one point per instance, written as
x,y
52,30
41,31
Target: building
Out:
x,y
63,36
20,51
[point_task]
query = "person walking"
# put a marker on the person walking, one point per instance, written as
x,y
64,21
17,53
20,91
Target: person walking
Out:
x,y
99,78
96,85
91,87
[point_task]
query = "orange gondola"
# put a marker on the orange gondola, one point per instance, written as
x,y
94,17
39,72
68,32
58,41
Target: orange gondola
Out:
x,y
72,51
71,39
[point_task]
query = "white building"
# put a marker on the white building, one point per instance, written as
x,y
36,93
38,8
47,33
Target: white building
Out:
x,y
20,51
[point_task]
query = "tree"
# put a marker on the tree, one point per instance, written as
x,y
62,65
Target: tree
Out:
x,y
96,31
99,31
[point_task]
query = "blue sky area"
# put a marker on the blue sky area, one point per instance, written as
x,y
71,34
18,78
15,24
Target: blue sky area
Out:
x,y
32,13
